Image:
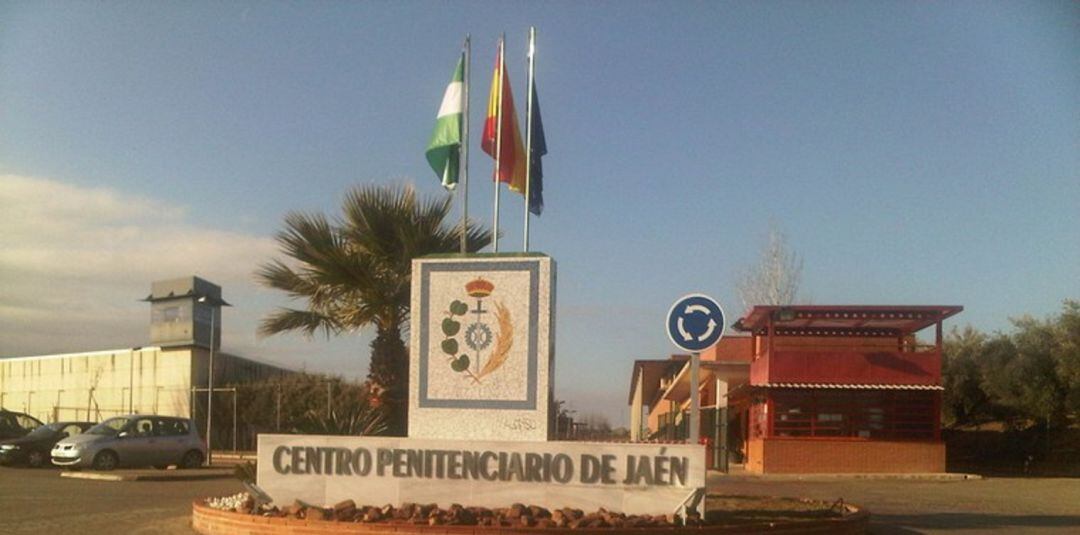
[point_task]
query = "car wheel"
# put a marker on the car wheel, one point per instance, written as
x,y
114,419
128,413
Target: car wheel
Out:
x,y
192,459
106,461
35,459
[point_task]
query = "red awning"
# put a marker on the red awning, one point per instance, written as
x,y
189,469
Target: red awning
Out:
x,y
835,386
831,386
844,320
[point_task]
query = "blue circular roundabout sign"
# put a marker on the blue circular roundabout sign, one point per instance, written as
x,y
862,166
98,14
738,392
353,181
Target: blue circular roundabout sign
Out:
x,y
695,322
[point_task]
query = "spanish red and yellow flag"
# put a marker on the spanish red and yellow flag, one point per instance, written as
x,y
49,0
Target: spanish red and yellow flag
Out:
x,y
511,159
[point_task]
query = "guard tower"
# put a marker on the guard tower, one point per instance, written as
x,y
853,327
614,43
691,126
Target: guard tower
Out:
x,y
183,311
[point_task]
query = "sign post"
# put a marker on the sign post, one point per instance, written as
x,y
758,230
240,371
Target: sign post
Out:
x,y
694,323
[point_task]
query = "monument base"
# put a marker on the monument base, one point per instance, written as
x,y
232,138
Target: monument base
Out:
x,y
627,478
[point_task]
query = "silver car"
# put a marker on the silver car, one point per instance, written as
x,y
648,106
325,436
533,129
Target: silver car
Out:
x,y
133,440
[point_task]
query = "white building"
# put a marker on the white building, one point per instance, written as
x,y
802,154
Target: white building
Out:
x,y
161,378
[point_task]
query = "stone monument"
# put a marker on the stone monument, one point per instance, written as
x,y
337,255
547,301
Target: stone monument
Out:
x,y
480,425
481,350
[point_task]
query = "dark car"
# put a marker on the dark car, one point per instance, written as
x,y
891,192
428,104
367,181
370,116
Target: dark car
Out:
x,y
33,449
16,424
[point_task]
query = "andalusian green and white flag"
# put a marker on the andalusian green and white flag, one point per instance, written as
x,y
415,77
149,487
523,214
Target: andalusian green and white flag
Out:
x,y
444,149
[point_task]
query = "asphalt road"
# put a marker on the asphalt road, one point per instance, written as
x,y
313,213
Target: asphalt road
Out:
x,y
1000,505
40,501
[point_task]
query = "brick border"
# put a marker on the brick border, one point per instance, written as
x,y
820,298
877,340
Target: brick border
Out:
x,y
209,521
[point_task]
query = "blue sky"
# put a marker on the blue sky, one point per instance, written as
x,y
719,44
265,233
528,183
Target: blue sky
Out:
x,y
913,153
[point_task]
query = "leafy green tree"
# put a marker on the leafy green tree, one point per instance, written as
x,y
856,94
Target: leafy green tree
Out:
x,y
355,272
1040,393
1033,373
1067,355
964,401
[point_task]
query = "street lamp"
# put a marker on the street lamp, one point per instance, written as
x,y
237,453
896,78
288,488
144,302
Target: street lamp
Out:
x,y
214,302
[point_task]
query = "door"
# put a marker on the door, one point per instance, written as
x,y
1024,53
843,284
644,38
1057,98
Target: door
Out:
x,y
137,447
171,435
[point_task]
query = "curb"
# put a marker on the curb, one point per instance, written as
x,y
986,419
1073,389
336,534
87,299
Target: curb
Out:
x,y
186,476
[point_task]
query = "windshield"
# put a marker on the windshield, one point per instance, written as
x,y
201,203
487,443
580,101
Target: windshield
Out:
x,y
111,426
50,429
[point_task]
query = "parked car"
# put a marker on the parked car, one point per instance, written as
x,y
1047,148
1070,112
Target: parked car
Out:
x,y
33,448
16,424
131,441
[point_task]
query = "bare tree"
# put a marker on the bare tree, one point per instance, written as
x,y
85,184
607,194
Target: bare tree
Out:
x,y
775,279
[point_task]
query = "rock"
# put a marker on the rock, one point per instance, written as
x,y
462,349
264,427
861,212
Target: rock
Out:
x,y
515,511
539,512
573,514
315,513
516,516
597,522
344,511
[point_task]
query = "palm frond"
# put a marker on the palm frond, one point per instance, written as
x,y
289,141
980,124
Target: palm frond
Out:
x,y
306,321
356,271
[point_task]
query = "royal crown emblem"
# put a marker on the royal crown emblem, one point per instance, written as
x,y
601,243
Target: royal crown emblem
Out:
x,y
478,333
479,288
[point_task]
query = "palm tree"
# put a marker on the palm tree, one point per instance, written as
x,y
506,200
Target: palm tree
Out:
x,y
355,272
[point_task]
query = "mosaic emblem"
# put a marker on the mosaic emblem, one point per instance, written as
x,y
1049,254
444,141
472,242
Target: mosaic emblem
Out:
x,y
489,345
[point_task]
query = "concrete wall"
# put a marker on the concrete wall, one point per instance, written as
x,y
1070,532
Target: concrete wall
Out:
x,y
96,385
794,456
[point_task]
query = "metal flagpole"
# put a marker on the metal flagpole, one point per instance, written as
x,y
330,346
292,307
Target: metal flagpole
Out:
x,y
528,131
465,151
498,138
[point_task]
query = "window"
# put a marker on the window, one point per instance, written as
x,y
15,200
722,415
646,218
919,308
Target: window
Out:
x,y
111,426
171,428
792,416
7,421
143,427
171,313
27,422
882,415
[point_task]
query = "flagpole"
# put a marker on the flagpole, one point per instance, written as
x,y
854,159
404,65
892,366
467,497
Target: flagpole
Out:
x,y
498,137
465,151
528,132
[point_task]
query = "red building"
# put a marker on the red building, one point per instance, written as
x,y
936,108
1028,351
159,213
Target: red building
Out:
x,y
843,389
809,389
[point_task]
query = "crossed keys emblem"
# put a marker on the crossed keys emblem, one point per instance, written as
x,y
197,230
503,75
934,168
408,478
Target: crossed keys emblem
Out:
x,y
478,334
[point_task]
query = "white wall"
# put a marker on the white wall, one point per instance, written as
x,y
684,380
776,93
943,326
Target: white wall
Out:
x,y
96,385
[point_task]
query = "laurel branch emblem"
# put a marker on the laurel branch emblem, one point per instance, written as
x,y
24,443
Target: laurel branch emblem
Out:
x,y
477,335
